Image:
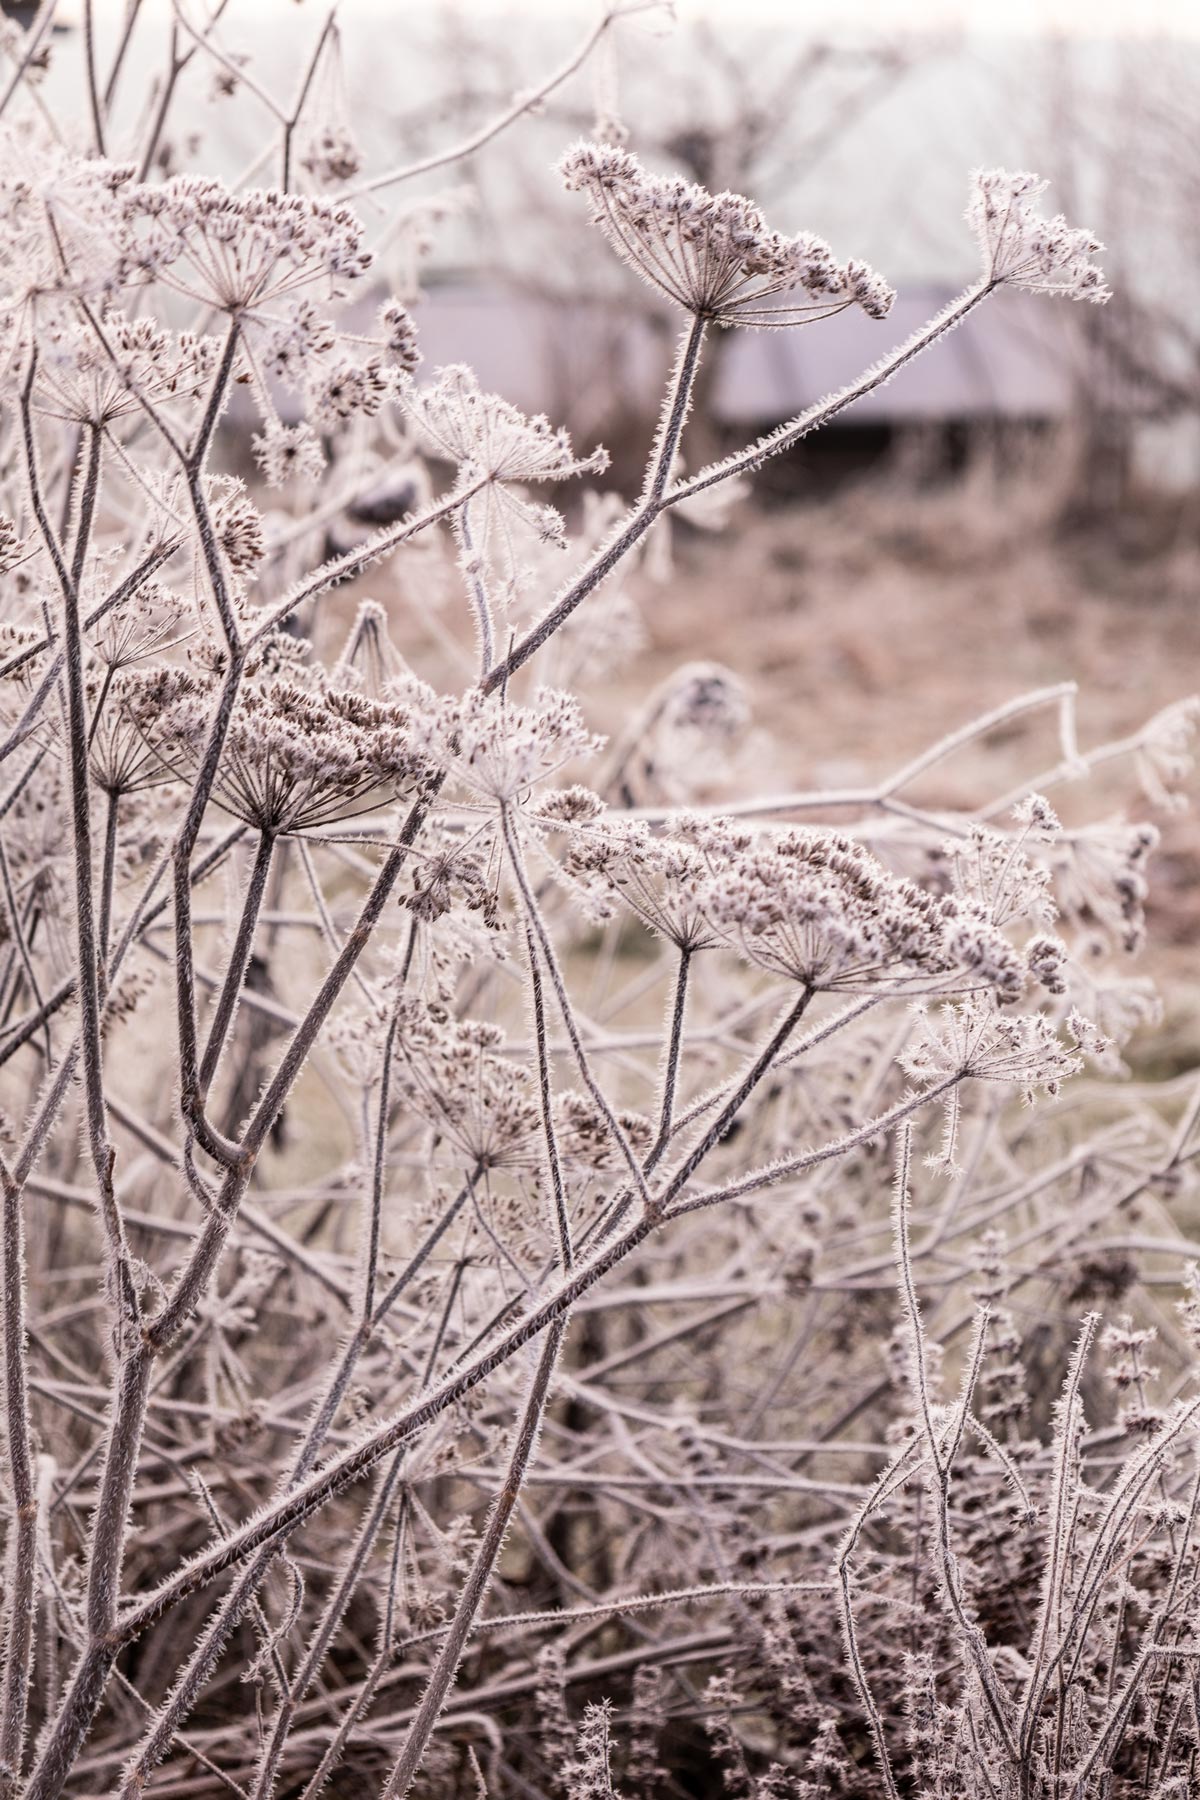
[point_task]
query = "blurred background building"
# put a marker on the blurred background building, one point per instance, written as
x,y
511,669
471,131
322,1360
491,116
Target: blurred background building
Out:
x,y
860,123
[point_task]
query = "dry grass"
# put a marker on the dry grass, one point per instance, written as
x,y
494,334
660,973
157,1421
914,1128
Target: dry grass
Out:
x,y
865,625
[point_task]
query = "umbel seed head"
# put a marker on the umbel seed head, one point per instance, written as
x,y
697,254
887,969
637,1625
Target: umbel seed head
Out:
x,y
712,254
1047,256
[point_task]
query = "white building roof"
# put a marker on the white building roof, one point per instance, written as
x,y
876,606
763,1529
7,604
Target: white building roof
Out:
x,y
1013,358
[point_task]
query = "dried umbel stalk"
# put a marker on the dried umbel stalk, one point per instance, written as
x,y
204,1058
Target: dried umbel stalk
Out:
x,y
712,254
1047,256
418,1362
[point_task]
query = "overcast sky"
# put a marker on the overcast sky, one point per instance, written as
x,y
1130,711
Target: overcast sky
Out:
x,y
1032,17
1092,17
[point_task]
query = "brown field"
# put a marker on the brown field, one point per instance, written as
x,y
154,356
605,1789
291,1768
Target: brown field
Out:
x,y
866,625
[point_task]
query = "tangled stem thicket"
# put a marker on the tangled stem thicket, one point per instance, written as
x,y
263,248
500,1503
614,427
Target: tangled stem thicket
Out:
x,y
450,1332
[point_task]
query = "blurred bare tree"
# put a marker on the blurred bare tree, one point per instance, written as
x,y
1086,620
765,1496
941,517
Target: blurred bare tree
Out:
x,y
1121,135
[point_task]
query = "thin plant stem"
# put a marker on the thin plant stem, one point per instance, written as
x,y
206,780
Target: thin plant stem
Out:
x,y
95,103
108,869
674,1049
165,1725
541,938
239,960
21,1578
545,1090
442,1675
88,962
676,403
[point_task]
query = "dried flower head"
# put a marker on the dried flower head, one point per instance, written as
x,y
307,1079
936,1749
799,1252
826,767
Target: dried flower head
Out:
x,y
10,546
1047,256
494,445
331,155
302,335
659,878
819,909
1166,753
400,340
298,754
995,873
585,1136
500,751
446,873
239,530
239,251
973,1038
712,254
95,377
1100,876
345,389
288,453
488,437
453,1074
125,753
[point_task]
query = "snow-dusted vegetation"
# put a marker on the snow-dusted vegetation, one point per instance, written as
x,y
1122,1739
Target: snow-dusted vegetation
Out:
x,y
537,1260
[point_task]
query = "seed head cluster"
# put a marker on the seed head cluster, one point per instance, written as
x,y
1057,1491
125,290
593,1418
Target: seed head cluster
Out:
x,y
500,751
1019,246
659,877
298,753
973,1037
84,241
816,907
456,1077
487,436
713,254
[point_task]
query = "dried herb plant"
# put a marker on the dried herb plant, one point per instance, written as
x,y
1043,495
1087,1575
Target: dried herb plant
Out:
x,y
422,1368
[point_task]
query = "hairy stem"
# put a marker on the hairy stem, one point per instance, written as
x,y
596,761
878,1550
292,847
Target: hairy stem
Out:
x,y
476,1585
239,961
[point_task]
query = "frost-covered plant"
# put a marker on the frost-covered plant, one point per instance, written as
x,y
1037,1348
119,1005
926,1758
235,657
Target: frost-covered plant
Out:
x,y
402,1330
712,254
